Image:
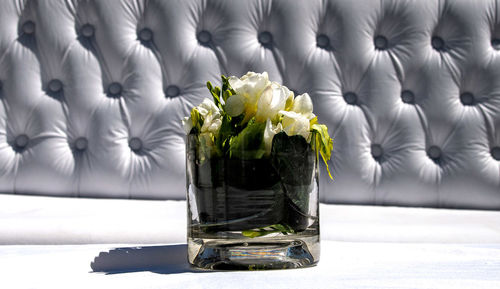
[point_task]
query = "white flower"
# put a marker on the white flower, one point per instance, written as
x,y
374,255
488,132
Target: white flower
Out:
x,y
212,118
303,104
269,132
235,105
295,124
251,83
208,107
211,123
211,115
272,100
248,89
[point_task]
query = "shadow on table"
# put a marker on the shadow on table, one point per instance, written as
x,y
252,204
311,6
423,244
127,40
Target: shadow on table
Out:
x,y
169,259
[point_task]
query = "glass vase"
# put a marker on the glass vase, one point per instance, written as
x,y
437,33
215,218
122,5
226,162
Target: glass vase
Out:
x,y
248,213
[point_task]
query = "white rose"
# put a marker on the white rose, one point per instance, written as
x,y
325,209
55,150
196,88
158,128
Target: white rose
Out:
x,y
248,89
295,124
271,101
269,132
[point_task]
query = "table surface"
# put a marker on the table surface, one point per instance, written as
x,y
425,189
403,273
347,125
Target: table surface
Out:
x,y
52,242
342,265
32,220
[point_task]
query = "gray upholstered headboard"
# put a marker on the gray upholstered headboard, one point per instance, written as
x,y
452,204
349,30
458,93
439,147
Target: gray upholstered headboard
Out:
x,y
92,92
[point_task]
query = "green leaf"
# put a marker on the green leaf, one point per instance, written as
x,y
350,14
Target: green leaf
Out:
x,y
215,91
226,94
197,120
295,161
276,228
251,234
323,144
226,86
283,228
249,143
230,126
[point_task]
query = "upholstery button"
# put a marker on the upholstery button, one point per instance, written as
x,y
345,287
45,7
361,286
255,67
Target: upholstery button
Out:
x,y
467,98
21,141
438,43
172,91
495,153
204,37
146,34
407,96
29,27
115,89
377,151
135,144
265,38
323,41
434,152
495,43
81,143
350,98
381,42
55,85
87,30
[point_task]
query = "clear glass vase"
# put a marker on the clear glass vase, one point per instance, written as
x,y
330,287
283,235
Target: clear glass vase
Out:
x,y
253,213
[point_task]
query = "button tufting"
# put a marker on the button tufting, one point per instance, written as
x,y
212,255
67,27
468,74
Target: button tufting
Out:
x,y
115,89
21,141
438,43
495,43
467,98
146,34
29,27
265,38
323,41
81,144
135,144
204,37
350,97
381,42
55,85
377,151
87,30
172,91
407,96
495,153
434,152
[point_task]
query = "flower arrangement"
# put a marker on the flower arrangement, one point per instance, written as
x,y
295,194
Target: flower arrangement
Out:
x,y
247,113
252,153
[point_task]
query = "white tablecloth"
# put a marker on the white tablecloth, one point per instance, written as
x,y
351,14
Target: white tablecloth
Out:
x,y
342,265
362,247
48,220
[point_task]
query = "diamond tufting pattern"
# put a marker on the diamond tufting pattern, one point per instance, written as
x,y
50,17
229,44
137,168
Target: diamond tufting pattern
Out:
x,y
93,92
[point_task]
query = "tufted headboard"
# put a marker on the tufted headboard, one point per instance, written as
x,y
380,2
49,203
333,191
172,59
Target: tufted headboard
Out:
x,y
92,92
